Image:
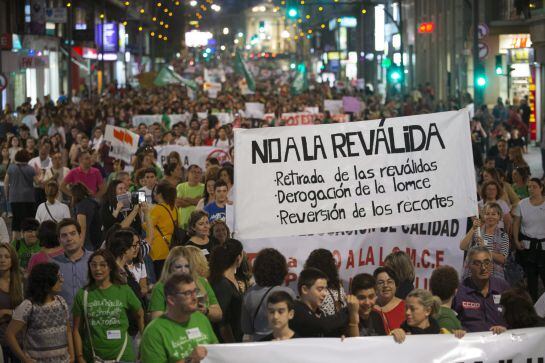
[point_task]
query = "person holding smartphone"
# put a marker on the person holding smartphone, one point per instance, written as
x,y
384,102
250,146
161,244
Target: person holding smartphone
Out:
x,y
114,210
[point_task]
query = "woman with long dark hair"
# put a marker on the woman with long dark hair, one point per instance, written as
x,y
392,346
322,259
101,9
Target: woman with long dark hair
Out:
x,y
102,310
324,261
518,310
224,261
45,318
11,293
112,211
86,211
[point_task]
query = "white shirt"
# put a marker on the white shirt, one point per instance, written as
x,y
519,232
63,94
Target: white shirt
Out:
x,y
31,121
4,234
139,272
149,194
58,212
38,163
532,222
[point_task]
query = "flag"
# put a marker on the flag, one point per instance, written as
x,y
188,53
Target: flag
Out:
x,y
300,82
241,68
168,76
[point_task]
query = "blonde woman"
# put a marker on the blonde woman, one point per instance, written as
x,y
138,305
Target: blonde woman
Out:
x,y
420,309
178,261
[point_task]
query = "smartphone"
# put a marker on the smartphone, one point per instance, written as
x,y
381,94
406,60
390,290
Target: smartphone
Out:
x,y
141,196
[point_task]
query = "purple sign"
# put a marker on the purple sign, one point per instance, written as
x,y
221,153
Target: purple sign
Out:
x,y
107,37
351,104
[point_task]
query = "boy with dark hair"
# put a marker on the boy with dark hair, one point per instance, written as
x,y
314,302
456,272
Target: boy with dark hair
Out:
x,y
28,245
148,180
308,320
364,288
280,310
444,284
216,209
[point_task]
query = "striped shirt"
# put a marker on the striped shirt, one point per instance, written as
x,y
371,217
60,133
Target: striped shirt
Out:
x,y
498,245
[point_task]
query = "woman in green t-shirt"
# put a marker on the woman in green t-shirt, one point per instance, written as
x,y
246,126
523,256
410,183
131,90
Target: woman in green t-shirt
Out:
x,y
101,313
181,259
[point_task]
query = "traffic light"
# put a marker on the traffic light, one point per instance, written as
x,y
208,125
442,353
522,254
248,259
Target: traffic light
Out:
x,y
499,64
292,9
395,74
480,76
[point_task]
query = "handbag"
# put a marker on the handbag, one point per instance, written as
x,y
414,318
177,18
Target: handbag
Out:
x,y
178,237
97,359
49,212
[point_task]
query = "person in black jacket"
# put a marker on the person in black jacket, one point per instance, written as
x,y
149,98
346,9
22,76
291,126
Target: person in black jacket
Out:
x,y
309,321
112,211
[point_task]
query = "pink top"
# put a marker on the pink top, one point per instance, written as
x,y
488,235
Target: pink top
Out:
x,y
42,257
92,178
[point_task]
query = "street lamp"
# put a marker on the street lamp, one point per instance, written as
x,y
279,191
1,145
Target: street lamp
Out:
x,y
225,31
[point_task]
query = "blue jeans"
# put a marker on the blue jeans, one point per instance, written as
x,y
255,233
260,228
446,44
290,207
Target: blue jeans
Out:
x,y
4,205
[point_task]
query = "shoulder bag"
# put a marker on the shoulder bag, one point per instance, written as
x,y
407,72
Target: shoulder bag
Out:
x,y
178,235
97,359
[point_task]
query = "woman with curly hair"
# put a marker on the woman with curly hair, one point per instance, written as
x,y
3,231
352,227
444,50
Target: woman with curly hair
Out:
x,y
45,317
270,270
324,261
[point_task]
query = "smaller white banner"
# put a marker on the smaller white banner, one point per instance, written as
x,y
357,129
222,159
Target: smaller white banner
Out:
x,y
192,154
123,143
254,110
333,106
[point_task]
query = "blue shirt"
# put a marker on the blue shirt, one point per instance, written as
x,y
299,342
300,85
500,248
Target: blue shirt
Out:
x,y
477,312
75,275
214,212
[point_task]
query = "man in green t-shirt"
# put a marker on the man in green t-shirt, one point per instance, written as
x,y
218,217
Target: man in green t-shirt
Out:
x,y
444,284
188,194
28,245
178,335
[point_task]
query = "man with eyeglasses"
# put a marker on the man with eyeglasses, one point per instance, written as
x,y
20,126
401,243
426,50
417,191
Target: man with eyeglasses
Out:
x,y
178,335
477,301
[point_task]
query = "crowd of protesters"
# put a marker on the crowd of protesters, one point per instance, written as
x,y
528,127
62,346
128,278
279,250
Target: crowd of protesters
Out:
x,y
108,261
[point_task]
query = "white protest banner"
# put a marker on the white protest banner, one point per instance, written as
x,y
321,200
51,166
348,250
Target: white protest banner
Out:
x,y
333,106
123,143
428,245
314,110
268,117
298,118
192,154
202,115
516,346
151,119
340,177
254,110
223,117
212,88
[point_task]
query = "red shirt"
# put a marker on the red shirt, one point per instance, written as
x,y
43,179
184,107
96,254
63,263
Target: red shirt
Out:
x,y
92,178
393,318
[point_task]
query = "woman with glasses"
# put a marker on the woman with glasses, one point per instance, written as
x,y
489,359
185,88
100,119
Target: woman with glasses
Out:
x,y
391,307
178,261
529,235
44,316
101,312
487,233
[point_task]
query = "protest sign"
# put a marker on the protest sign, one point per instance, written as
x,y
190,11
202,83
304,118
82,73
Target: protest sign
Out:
x,y
123,143
429,245
223,117
192,154
151,119
212,88
298,118
339,177
333,106
254,110
312,110
519,345
351,104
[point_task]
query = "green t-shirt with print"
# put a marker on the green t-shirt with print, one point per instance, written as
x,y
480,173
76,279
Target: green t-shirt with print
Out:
x,y
446,318
158,300
166,341
107,311
184,190
24,251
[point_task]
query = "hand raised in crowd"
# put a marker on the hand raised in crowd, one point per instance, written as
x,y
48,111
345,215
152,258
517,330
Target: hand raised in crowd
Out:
x,y
353,305
399,335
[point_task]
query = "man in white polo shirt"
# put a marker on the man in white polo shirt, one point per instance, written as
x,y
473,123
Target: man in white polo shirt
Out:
x,y
52,209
